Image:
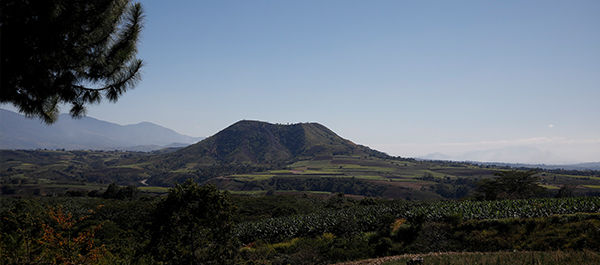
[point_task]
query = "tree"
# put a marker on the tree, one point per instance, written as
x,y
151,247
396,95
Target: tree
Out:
x,y
8,189
73,52
32,233
194,225
66,246
21,229
513,184
129,193
566,191
112,192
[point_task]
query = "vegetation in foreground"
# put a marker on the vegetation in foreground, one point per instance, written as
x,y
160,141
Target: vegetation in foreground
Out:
x,y
181,227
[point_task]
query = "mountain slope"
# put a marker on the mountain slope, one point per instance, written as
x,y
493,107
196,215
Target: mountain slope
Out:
x,y
262,142
19,132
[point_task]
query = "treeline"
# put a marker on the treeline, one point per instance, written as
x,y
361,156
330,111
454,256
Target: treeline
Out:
x,y
450,188
255,208
335,185
169,179
508,184
585,173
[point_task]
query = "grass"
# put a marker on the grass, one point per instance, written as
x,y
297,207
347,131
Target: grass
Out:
x,y
316,192
154,189
284,171
404,180
87,186
256,192
357,168
44,181
592,186
552,187
310,174
303,163
183,171
507,258
371,177
319,163
368,177
252,177
136,166
433,173
319,172
578,177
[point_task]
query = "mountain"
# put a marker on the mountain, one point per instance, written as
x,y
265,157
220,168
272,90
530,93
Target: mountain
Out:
x,y
580,166
261,142
19,132
509,154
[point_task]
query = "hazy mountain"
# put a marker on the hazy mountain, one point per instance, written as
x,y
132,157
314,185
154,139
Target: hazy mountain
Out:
x,y
19,132
580,166
510,154
262,142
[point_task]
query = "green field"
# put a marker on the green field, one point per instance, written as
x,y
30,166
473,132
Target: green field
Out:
x,y
154,189
402,178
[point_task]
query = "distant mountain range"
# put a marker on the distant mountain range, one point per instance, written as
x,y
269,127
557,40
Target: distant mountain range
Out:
x,y
509,154
516,156
19,132
243,142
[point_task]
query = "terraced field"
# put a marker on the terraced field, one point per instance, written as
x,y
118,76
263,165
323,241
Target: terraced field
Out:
x,y
28,170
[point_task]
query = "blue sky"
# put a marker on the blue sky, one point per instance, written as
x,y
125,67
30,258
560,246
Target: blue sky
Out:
x,y
405,77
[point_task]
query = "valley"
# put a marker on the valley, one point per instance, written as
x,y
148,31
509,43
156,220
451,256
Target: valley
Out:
x,y
56,172
285,194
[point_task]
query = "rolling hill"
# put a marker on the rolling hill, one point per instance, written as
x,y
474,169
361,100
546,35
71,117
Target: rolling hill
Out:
x,y
258,157
258,142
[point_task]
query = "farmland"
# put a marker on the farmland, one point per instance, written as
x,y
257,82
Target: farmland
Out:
x,y
367,218
54,172
318,210
327,229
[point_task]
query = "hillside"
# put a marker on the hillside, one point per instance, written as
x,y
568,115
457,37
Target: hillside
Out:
x,y
257,142
259,157
19,132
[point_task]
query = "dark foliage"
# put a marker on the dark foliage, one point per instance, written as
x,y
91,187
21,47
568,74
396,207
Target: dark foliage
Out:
x,y
121,193
261,207
193,225
512,184
566,191
196,217
334,185
67,52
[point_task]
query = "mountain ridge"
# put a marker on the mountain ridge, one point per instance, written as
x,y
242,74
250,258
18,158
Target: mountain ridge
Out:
x,y
19,132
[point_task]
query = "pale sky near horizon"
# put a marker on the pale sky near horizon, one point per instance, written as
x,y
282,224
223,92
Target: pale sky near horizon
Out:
x,y
405,77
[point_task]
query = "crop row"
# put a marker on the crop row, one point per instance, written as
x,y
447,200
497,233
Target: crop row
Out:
x,y
369,218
